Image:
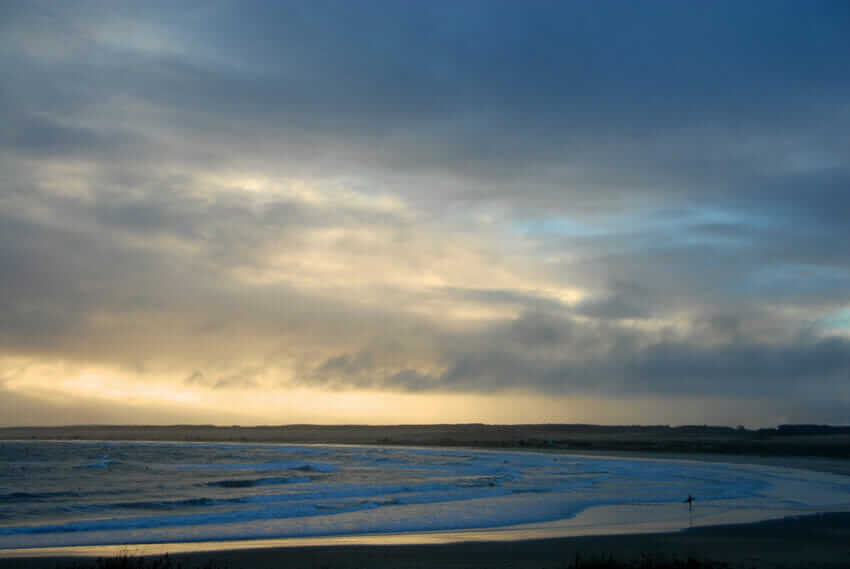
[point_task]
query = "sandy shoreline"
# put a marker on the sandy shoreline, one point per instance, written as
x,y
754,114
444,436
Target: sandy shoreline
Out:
x,y
821,540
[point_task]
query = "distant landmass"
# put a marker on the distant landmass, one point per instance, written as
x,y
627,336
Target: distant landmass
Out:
x,y
784,440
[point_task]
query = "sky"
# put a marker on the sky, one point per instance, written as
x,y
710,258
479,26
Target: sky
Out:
x,y
424,212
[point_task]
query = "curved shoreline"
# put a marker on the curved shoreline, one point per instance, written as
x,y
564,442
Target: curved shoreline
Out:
x,y
819,540
830,532
602,518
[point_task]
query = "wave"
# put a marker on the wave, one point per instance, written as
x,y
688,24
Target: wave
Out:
x,y
250,483
214,491
298,509
14,497
272,465
485,481
174,504
104,462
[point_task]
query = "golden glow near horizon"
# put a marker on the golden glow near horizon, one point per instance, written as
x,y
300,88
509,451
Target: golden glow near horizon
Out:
x,y
333,225
97,394
377,300
311,327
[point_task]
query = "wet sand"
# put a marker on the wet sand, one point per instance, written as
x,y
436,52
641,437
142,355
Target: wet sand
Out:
x,y
821,540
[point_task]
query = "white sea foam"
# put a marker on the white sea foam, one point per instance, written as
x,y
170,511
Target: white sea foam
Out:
x,y
103,462
187,491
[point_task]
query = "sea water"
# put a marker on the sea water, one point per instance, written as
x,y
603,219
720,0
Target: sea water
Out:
x,y
90,493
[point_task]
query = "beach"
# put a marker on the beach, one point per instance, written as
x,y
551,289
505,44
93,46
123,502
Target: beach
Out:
x,y
805,536
810,541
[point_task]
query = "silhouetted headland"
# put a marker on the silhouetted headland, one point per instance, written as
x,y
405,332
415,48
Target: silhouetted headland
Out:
x,y
784,440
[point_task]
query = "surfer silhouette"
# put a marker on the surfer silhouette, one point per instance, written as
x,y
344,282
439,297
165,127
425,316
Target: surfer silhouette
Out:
x,y
689,502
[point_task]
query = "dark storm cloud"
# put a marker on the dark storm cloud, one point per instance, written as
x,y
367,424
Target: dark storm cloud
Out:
x,y
560,356
486,87
684,166
586,105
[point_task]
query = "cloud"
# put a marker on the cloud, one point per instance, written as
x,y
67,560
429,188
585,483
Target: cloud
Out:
x,y
626,301
562,199
562,356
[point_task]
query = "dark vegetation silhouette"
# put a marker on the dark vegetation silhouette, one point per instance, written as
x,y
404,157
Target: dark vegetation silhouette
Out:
x,y
130,562
826,441
645,561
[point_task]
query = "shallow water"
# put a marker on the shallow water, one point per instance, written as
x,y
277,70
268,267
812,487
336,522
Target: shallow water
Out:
x,y
84,493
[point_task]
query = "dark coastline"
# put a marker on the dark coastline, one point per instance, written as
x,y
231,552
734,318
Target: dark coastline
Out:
x,y
821,540
784,441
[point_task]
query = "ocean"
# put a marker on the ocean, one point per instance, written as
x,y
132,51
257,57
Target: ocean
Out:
x,y
98,493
